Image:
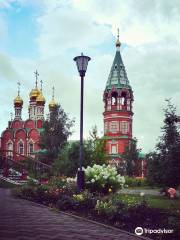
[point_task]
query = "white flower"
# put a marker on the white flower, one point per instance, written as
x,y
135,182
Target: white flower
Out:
x,y
92,180
142,194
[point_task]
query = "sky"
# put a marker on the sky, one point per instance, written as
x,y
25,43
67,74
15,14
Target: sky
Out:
x,y
47,34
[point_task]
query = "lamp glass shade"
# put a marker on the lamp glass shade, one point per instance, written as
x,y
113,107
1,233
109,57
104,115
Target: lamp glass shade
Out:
x,y
82,63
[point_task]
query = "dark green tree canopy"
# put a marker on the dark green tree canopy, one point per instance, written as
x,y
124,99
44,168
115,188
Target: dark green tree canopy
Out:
x,y
57,129
164,162
131,159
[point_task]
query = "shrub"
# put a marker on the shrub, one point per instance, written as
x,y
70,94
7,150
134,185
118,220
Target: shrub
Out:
x,y
135,182
105,209
66,203
85,201
103,179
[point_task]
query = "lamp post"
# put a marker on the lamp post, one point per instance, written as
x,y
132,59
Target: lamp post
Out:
x,y
82,63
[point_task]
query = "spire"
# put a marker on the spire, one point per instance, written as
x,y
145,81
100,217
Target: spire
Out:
x,y
117,76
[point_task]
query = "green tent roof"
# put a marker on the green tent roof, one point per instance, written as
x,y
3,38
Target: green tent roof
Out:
x,y
117,77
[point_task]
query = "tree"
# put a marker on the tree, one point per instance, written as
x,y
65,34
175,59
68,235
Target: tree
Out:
x,y
164,162
98,145
131,159
67,162
56,132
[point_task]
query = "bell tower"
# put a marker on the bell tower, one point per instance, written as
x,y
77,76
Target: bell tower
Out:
x,y
118,115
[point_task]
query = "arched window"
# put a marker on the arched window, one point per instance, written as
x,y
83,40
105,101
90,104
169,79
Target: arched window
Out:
x,y
114,98
21,148
123,99
31,148
10,149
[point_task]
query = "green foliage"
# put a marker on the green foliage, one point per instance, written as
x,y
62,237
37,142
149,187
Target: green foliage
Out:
x,y
68,159
67,162
56,132
103,179
164,162
135,182
131,160
65,202
97,146
85,201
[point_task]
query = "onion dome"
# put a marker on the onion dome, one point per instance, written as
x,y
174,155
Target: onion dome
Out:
x,y
52,103
40,98
18,100
34,93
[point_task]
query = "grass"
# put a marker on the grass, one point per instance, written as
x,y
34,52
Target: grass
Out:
x,y
160,202
142,187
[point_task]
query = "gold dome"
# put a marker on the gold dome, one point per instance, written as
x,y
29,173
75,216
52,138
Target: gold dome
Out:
x,y
52,104
18,100
34,92
40,98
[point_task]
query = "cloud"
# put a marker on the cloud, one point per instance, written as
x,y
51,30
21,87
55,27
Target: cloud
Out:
x,y
65,28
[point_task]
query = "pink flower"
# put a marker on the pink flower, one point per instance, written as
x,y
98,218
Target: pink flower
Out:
x,y
172,192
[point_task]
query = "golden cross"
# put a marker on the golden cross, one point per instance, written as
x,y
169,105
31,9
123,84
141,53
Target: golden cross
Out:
x,y
19,84
41,84
53,93
36,75
118,33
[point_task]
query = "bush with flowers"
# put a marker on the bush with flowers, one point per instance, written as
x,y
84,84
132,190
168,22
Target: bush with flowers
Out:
x,y
103,179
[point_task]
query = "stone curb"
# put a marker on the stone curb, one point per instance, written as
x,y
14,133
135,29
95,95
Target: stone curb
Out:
x,y
88,220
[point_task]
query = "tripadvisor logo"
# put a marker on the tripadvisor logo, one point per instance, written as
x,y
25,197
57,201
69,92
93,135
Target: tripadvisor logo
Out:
x,y
139,231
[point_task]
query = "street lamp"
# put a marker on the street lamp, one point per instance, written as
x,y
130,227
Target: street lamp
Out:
x,y
82,63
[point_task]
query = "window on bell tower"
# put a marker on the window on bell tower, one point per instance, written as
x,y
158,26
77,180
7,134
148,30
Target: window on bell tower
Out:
x,y
124,127
114,98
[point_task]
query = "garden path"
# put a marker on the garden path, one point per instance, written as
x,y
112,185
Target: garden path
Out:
x,y
24,220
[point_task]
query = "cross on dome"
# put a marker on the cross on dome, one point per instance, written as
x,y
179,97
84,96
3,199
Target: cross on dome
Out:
x,y
19,84
118,44
41,82
36,76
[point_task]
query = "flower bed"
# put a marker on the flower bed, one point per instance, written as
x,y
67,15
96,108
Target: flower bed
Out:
x,y
98,203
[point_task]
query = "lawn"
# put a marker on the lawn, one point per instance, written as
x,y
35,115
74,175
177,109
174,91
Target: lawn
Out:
x,y
161,202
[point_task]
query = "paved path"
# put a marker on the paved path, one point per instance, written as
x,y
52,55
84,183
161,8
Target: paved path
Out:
x,y
24,220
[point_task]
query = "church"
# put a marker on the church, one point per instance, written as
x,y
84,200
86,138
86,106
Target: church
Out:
x,y
21,137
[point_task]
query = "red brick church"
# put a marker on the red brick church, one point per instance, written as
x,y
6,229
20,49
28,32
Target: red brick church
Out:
x,y
118,114
22,136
